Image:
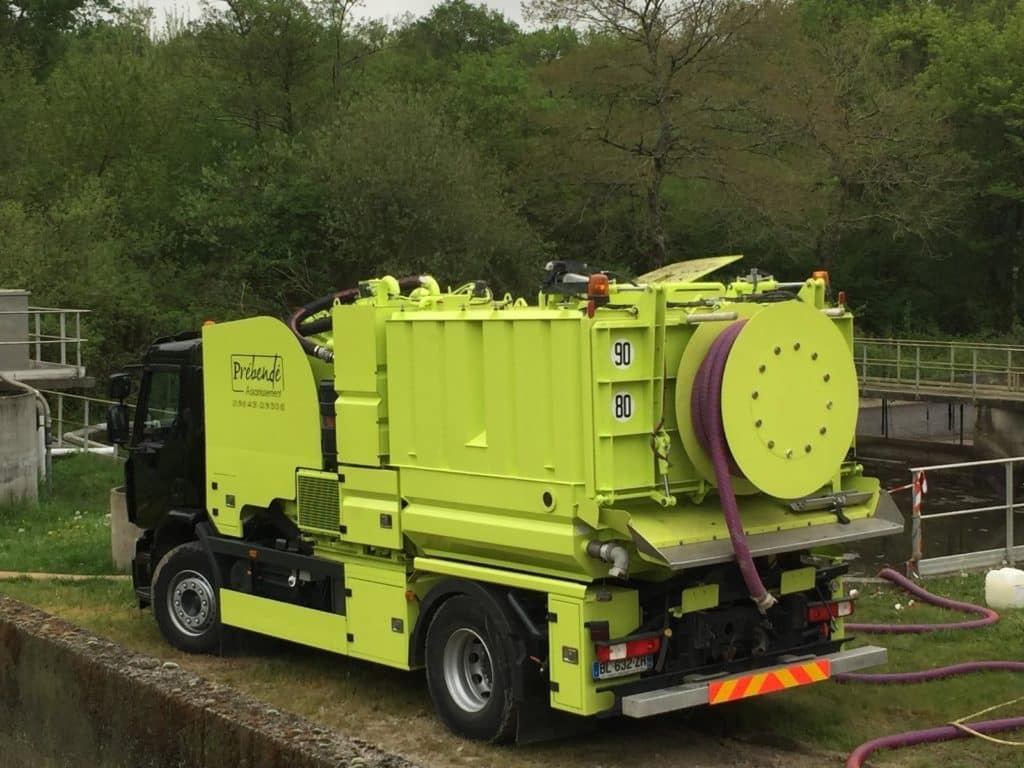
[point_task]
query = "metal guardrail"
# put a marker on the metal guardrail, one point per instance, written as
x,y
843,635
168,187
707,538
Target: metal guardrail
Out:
x,y
74,422
941,367
1011,553
53,342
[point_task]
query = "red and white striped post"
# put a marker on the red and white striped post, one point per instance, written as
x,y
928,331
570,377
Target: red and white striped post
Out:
x,y
920,488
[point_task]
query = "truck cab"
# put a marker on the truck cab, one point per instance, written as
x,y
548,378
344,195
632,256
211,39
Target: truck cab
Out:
x,y
164,473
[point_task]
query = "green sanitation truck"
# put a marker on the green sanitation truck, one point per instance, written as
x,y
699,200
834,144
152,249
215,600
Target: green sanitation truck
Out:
x,y
625,499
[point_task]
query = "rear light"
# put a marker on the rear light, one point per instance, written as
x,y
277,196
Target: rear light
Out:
x,y
841,301
627,650
837,609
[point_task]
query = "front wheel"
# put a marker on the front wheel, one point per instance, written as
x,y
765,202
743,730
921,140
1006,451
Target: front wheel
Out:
x,y
185,600
469,672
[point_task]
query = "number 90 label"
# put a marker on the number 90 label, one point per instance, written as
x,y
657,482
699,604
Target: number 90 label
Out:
x,y
622,406
622,353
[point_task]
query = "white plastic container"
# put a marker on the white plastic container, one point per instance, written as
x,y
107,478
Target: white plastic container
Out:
x,y
1004,588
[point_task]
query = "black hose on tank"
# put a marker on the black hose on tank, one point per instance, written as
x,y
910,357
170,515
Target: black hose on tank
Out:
x,y
303,329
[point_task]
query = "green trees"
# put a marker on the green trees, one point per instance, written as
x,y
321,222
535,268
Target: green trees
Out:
x,y
976,71
645,79
275,149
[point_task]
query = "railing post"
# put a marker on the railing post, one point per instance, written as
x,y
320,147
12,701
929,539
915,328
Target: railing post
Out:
x,y
952,364
1009,369
864,361
917,368
85,427
78,342
63,337
974,369
917,543
39,340
899,354
1010,544
60,420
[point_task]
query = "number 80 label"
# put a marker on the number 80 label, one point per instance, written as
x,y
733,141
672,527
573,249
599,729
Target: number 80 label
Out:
x,y
622,406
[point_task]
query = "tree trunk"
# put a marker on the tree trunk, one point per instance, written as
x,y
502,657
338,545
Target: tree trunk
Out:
x,y
659,169
658,253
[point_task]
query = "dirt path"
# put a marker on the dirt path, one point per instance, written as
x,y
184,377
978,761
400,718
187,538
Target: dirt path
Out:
x,y
13,575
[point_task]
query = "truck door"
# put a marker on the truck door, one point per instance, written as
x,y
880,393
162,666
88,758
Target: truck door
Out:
x,y
157,452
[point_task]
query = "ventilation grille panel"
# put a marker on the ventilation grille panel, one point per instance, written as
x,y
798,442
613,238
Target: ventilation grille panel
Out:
x,y
318,503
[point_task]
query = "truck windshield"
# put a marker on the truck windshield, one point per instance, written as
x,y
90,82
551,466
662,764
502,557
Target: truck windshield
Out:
x,y
161,405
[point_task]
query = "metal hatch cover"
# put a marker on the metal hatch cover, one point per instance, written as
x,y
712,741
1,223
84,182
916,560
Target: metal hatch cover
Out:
x,y
687,271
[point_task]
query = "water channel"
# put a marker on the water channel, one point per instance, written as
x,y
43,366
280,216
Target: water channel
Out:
x,y
948,490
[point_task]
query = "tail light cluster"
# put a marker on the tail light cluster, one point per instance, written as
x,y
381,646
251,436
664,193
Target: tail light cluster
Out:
x,y
627,650
835,609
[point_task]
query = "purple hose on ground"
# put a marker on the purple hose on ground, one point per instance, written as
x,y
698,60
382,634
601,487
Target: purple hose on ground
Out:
x,y
946,732
942,733
989,616
706,412
926,675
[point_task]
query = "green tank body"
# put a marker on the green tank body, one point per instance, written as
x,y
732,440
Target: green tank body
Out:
x,y
519,433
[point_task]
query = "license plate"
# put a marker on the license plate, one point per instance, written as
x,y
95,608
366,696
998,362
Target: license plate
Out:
x,y
605,669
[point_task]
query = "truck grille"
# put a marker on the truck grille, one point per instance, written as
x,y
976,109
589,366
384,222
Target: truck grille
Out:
x,y
318,504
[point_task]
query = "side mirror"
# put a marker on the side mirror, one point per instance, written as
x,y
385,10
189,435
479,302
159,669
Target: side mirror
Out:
x,y
118,430
119,386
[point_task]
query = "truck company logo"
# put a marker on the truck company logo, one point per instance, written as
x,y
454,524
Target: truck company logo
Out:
x,y
261,375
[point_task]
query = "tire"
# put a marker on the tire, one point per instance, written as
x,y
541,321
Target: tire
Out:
x,y
185,600
469,671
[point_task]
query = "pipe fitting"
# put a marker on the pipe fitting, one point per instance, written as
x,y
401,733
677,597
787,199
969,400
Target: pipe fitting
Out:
x,y
611,552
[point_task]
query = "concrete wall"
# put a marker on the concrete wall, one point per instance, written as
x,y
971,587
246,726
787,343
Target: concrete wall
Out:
x,y
999,431
19,448
913,452
71,699
123,534
13,327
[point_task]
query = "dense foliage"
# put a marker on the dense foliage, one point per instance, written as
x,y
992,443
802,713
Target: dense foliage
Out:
x,y
275,149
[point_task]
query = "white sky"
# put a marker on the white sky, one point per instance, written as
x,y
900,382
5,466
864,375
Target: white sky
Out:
x,y
374,9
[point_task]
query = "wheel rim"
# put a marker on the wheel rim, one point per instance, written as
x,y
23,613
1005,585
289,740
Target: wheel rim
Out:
x,y
191,603
468,671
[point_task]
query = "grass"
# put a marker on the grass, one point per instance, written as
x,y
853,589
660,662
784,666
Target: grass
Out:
x,y
68,531
813,726
843,716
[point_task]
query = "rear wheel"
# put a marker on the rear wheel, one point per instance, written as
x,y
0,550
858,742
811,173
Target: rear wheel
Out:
x,y
469,672
185,600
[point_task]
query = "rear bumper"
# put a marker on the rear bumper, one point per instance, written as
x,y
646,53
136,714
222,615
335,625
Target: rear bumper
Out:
x,y
723,688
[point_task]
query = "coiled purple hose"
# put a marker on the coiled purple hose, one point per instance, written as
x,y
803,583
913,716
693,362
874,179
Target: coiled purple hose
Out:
x,y
945,732
989,616
706,413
